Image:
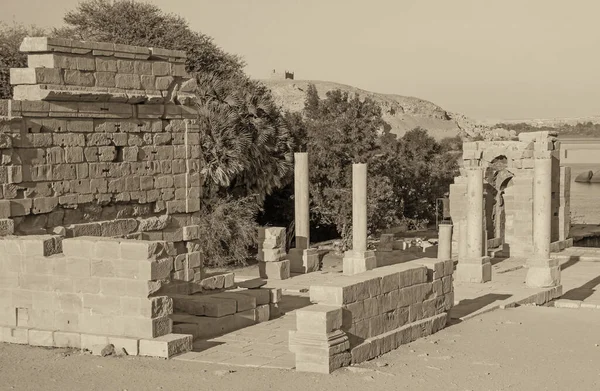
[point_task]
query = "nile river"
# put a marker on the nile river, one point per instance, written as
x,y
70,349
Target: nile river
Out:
x,y
585,197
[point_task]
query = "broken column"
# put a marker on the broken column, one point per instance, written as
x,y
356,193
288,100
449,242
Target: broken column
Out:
x,y
359,260
302,258
475,267
444,241
271,253
543,270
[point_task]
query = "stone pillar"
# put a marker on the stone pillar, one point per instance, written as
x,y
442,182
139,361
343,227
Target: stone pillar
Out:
x,y
301,200
543,270
359,260
462,239
475,267
302,258
444,241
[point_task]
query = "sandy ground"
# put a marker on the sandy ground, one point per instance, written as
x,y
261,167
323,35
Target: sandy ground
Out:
x,y
527,348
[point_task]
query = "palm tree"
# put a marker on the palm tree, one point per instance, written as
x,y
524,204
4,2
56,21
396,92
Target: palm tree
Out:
x,y
246,148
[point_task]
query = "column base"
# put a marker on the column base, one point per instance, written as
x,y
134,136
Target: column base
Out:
x,y
543,273
321,353
303,260
477,270
358,262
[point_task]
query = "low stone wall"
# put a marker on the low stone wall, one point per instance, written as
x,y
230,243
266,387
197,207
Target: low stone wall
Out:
x,y
88,292
363,316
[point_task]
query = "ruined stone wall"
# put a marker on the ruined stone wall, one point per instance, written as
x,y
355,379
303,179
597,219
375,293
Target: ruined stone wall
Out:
x,y
100,139
518,190
89,292
357,318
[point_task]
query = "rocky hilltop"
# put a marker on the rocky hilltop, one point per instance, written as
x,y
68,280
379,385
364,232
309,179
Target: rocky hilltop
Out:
x,y
401,113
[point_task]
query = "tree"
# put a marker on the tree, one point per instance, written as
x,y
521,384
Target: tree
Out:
x,y
143,24
11,37
420,170
246,147
247,150
343,130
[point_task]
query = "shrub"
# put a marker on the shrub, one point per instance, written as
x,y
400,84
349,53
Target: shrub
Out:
x,y
228,230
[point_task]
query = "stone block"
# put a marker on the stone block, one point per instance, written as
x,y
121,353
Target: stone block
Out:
x,y
304,260
79,78
146,328
435,268
40,338
262,296
138,250
340,292
326,365
161,68
356,262
271,255
64,339
166,346
263,313
319,319
35,76
275,295
275,270
243,302
14,335
203,305
191,232
386,243
478,271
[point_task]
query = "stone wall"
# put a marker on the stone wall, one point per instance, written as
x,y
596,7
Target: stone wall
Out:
x,y
100,139
356,318
88,292
517,178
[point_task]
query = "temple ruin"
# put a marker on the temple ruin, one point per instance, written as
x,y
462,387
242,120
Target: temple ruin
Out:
x,y
99,212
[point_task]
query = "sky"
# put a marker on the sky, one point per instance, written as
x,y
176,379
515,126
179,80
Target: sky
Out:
x,y
487,59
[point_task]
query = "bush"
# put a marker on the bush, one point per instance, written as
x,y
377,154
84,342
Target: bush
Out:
x,y
11,37
143,24
228,230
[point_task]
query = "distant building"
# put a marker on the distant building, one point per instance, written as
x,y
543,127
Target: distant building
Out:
x,y
282,75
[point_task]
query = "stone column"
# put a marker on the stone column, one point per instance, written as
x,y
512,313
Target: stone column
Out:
x,y
444,241
358,259
302,258
475,267
462,239
359,207
301,200
543,271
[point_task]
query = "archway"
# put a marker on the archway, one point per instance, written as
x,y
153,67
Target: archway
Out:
x,y
497,179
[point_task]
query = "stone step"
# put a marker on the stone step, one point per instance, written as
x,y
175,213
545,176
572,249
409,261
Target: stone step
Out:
x,y
204,327
166,346
205,305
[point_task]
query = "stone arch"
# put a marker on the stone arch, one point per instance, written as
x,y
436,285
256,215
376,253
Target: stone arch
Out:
x,y
497,178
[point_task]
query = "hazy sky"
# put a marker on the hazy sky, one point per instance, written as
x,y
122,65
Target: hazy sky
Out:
x,y
498,59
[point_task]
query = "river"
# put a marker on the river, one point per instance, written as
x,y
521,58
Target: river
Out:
x,y
585,197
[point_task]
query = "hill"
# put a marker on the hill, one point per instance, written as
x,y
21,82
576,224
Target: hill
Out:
x,y
401,113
